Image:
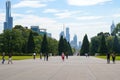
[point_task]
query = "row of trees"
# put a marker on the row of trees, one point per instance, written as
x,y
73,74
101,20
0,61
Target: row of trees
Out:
x,y
102,43
23,41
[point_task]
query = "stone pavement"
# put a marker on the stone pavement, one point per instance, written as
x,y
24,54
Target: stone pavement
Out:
x,y
75,68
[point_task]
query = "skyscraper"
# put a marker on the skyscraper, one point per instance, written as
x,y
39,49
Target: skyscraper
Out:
x,y
112,27
74,42
62,34
8,24
67,34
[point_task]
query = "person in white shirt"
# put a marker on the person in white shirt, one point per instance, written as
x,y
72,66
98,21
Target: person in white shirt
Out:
x,y
34,55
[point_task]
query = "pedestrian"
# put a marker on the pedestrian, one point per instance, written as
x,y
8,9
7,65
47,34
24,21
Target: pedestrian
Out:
x,y
47,57
86,54
34,56
44,56
108,58
113,57
63,56
3,58
40,55
10,58
67,56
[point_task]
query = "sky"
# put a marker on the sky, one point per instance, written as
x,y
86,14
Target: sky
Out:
x,y
81,16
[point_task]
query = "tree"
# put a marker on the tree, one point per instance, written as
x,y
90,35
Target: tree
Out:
x,y
60,45
44,46
103,47
116,45
109,43
7,41
95,41
85,46
53,46
30,43
69,49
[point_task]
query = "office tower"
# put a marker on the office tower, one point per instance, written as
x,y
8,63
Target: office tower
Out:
x,y
112,27
67,34
8,24
74,42
35,28
62,34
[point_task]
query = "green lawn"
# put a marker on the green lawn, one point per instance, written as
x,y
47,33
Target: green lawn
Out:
x,y
19,57
104,57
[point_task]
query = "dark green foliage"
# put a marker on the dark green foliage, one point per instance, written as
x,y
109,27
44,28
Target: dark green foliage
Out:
x,y
60,45
17,39
30,43
7,41
69,49
85,46
53,46
64,46
44,46
103,48
95,42
116,45
109,43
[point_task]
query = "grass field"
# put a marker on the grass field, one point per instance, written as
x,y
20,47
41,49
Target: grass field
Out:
x,y
104,57
19,57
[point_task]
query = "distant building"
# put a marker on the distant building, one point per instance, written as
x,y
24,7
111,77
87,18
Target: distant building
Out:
x,y
35,28
8,24
67,34
40,31
62,34
74,42
112,27
80,44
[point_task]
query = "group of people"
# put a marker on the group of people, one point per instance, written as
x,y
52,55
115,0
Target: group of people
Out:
x,y
113,57
9,58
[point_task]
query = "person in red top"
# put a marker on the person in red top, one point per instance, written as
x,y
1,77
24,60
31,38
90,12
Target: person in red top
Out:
x,y
63,56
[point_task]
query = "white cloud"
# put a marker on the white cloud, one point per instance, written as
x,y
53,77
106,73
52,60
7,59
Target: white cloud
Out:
x,y
63,15
29,3
2,20
50,11
28,20
66,14
86,2
29,11
2,17
89,17
116,15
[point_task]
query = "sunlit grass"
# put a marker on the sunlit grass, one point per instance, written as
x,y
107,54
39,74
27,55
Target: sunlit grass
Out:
x,y
104,57
19,57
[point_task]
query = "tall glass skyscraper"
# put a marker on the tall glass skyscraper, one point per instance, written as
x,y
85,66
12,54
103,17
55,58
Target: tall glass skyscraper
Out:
x,y
8,24
112,26
67,34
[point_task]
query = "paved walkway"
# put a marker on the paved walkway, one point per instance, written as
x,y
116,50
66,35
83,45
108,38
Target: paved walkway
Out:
x,y
75,68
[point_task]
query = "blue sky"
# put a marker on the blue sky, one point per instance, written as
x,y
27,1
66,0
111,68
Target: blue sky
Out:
x,y
81,16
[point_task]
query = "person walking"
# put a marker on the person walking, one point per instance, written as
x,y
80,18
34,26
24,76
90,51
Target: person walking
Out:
x,y
108,58
34,56
67,56
10,58
3,58
63,56
113,57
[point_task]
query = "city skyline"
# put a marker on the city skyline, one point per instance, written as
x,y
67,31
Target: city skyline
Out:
x,y
82,17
